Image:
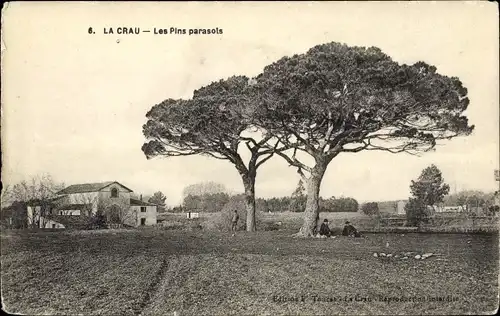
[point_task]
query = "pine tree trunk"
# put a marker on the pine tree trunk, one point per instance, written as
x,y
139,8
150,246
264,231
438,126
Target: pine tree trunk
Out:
x,y
311,213
249,184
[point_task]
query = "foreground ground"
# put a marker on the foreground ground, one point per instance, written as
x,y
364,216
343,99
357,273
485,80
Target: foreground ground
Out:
x,y
198,273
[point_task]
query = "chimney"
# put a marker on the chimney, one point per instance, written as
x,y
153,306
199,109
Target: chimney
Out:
x,y
141,197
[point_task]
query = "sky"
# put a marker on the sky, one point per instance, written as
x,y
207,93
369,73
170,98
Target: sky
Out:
x,y
73,103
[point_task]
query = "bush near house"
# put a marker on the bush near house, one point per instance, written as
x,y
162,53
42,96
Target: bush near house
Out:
x,y
14,216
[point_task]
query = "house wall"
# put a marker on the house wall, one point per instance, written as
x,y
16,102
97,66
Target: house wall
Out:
x,y
122,201
192,215
400,207
123,198
102,198
84,198
68,212
34,216
150,215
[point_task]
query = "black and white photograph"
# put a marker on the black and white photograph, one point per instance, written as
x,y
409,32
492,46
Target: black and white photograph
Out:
x,y
250,158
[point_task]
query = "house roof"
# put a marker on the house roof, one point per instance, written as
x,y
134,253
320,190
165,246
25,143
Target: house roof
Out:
x,y
140,203
39,202
57,198
89,187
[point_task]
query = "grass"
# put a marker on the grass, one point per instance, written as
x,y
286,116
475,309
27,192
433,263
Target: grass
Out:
x,y
151,272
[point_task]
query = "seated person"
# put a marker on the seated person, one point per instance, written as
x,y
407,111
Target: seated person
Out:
x,y
350,231
324,230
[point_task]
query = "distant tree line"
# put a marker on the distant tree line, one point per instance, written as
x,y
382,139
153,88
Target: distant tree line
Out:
x,y
282,204
210,203
210,197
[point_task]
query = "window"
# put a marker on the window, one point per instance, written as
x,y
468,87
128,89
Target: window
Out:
x,y
143,209
114,192
53,225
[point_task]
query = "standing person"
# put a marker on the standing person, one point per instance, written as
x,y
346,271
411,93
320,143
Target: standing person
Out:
x,y
236,217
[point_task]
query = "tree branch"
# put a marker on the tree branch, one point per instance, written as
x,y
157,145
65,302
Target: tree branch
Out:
x,y
264,160
294,162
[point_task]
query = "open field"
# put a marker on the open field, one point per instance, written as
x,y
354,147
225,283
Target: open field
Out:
x,y
151,271
443,223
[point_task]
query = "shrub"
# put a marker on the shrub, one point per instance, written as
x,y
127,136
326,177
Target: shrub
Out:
x,y
370,208
416,212
97,221
342,204
494,209
222,221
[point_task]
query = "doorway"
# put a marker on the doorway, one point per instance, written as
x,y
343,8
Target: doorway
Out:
x,y
143,221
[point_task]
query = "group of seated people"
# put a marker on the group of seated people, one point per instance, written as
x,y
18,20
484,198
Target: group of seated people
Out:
x,y
348,230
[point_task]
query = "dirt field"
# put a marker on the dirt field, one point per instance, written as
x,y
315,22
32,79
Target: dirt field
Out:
x,y
198,273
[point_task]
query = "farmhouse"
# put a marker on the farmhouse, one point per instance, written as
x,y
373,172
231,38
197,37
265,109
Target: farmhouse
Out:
x,y
74,205
146,212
